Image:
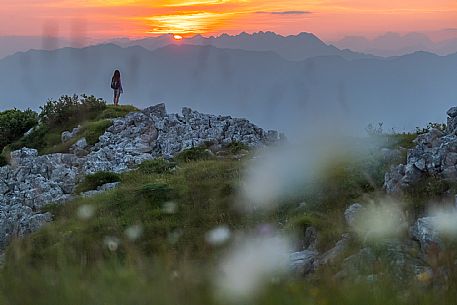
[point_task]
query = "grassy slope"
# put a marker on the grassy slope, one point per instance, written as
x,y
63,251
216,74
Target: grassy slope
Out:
x,y
48,140
69,262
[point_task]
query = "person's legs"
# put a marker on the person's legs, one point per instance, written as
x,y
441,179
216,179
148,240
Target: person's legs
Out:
x,y
116,98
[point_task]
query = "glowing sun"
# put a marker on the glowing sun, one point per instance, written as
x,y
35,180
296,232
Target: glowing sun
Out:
x,y
177,37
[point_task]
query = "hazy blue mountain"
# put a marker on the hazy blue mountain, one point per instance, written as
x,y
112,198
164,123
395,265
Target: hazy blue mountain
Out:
x,y
12,44
394,44
296,97
293,47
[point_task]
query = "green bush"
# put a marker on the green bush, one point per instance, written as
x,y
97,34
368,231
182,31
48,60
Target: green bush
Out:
x,y
14,123
194,154
91,182
112,112
3,161
157,192
68,110
156,166
236,147
94,130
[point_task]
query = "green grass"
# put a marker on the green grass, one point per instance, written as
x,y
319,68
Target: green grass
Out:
x,y
69,261
156,166
48,140
88,254
112,111
236,147
91,182
194,154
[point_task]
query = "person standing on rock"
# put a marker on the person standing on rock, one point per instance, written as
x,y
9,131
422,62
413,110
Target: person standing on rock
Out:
x,y
116,85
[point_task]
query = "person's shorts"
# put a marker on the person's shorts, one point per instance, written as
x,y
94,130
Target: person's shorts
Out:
x,y
117,92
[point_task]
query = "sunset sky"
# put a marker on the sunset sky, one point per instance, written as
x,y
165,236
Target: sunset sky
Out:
x,y
329,19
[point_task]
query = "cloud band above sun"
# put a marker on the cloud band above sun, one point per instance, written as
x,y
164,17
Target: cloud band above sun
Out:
x,y
135,18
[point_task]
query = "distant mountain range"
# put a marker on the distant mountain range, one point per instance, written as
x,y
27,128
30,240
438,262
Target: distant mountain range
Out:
x,y
12,44
293,47
394,44
295,97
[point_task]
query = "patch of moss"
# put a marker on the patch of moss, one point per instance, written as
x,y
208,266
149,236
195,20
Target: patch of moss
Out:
x,y
194,154
91,182
156,166
236,147
93,130
112,111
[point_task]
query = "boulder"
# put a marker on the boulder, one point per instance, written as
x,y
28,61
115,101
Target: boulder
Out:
x,y
452,112
23,156
68,135
158,111
310,239
424,232
303,262
352,213
435,154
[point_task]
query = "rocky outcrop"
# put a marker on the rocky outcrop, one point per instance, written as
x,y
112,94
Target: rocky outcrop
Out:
x,y
435,154
68,135
425,233
32,181
153,133
400,256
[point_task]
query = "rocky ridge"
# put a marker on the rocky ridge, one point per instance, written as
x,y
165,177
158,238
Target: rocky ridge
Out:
x,y
435,154
32,181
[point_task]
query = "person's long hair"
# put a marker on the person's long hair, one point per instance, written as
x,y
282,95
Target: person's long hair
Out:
x,y
116,76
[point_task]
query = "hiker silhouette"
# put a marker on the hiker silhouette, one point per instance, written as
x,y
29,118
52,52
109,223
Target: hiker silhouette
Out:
x,y
116,85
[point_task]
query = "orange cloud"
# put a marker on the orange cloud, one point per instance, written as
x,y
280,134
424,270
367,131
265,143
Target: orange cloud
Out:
x,y
104,18
187,23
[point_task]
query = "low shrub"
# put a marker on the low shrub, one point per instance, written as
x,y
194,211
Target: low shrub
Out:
x,y
194,154
36,139
236,147
112,112
157,192
156,166
14,123
91,182
69,110
94,130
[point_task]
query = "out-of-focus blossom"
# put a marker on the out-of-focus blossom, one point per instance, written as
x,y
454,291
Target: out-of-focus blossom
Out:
x,y
218,236
250,265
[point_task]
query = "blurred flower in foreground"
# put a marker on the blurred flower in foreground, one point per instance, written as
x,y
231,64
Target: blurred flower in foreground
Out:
x,y
169,207
382,221
445,222
250,265
218,235
86,211
134,232
112,243
279,173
